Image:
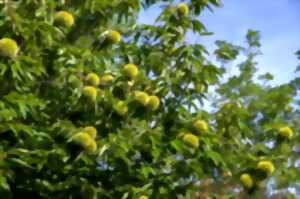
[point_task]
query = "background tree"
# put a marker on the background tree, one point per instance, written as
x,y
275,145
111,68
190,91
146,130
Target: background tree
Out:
x,y
94,105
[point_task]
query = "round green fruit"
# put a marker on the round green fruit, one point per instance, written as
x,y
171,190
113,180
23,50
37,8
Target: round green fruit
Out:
x,y
141,97
93,79
246,180
92,147
90,92
266,166
82,138
286,132
183,9
200,88
92,131
130,70
8,47
191,140
107,79
153,103
121,108
143,197
113,37
64,18
200,126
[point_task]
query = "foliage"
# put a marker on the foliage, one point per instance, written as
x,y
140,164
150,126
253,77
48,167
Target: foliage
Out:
x,y
94,105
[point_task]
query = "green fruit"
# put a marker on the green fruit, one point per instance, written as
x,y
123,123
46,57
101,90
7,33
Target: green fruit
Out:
x,y
246,180
191,140
130,70
82,138
183,9
107,79
121,108
143,197
92,147
266,166
153,103
64,18
141,97
286,132
200,126
85,141
113,37
8,47
90,92
200,88
93,79
92,131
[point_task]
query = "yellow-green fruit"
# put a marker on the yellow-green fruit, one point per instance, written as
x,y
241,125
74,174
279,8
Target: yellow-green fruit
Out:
x,y
121,108
143,197
266,166
92,147
107,79
93,79
286,132
92,131
141,97
246,180
153,103
183,9
82,138
130,70
200,88
200,126
86,141
113,36
65,18
191,140
8,47
90,92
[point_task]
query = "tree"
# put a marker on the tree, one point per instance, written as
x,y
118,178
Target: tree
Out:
x,y
94,105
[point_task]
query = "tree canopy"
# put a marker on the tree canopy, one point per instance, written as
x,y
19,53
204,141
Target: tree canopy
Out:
x,y
94,104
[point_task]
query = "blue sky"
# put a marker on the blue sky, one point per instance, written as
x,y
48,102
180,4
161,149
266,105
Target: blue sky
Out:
x,y
277,20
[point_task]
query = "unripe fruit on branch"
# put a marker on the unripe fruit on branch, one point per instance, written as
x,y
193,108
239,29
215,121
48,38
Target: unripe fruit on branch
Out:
x,y
246,180
143,197
153,103
107,79
85,141
130,70
121,108
200,88
90,92
113,37
141,97
92,131
266,166
8,47
286,132
93,79
191,140
92,147
182,9
200,126
82,138
64,18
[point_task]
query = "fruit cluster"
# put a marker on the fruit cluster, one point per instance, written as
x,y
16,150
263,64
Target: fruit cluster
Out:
x,y
199,127
251,181
86,138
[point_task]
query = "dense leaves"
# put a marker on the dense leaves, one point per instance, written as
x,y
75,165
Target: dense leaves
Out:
x,y
94,105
